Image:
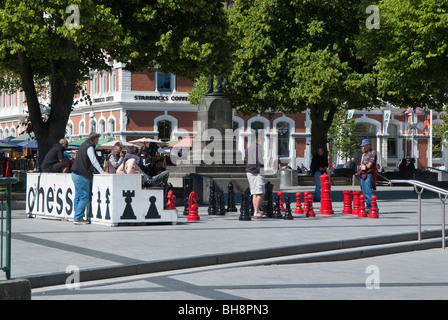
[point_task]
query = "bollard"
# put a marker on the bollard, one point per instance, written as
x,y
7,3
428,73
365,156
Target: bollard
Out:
x,y
373,214
347,202
298,209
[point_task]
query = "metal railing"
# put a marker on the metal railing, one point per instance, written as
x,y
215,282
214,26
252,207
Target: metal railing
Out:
x,y
443,196
5,223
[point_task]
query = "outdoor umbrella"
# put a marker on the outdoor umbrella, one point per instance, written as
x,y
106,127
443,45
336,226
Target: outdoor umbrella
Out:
x,y
29,144
186,142
110,145
141,141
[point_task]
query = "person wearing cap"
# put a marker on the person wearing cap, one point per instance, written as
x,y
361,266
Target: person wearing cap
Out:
x,y
83,167
114,160
368,172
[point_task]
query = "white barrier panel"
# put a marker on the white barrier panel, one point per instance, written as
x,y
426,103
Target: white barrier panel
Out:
x,y
116,199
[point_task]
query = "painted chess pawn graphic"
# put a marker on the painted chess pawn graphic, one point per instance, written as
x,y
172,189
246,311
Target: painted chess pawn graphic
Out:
x,y
128,212
98,210
153,213
107,217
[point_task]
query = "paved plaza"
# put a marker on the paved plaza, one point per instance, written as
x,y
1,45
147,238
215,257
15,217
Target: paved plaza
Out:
x,y
220,257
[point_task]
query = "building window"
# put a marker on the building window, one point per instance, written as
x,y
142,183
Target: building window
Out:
x,y
283,139
392,143
111,125
81,128
92,126
164,129
102,126
257,127
163,81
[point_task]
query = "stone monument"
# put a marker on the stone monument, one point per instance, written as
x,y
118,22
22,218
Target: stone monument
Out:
x,y
214,156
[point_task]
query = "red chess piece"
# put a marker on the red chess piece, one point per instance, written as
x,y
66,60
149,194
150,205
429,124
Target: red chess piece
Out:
x,y
356,200
373,209
282,207
193,207
362,206
310,213
305,202
347,202
171,203
298,205
326,206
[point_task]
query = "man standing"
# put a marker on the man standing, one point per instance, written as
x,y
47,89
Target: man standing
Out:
x,y
82,174
255,174
368,172
319,165
115,159
55,161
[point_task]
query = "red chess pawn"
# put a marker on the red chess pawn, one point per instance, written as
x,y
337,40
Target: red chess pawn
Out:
x,y
347,202
298,205
193,207
282,207
310,213
373,209
305,202
362,206
171,203
356,200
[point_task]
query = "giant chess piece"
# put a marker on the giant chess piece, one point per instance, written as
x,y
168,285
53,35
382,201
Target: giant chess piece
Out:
x,y
231,199
277,211
288,213
244,212
267,203
212,200
220,207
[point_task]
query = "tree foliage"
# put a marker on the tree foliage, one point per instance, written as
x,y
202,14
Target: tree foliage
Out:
x,y
299,55
42,43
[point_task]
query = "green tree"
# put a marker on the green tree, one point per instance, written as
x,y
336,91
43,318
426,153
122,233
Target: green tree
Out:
x,y
47,43
342,135
298,55
409,52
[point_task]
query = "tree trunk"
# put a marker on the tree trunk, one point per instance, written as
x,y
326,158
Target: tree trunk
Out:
x,y
320,125
63,85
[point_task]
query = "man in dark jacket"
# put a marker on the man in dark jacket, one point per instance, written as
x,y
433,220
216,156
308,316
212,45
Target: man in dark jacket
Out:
x,y
82,174
114,160
319,165
54,160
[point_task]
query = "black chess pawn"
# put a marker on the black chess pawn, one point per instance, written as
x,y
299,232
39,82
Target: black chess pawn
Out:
x,y
220,207
277,213
212,200
288,213
152,213
244,212
231,198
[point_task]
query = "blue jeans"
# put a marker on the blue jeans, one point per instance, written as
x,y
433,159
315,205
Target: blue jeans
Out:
x,y
82,195
367,190
316,196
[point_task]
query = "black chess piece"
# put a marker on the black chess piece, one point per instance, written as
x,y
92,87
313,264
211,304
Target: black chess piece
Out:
x,y
212,200
152,213
220,207
128,212
231,198
107,217
98,210
267,203
277,213
244,212
288,213
251,205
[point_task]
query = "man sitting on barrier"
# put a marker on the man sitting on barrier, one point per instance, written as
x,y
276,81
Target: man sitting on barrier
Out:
x,y
54,161
132,164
